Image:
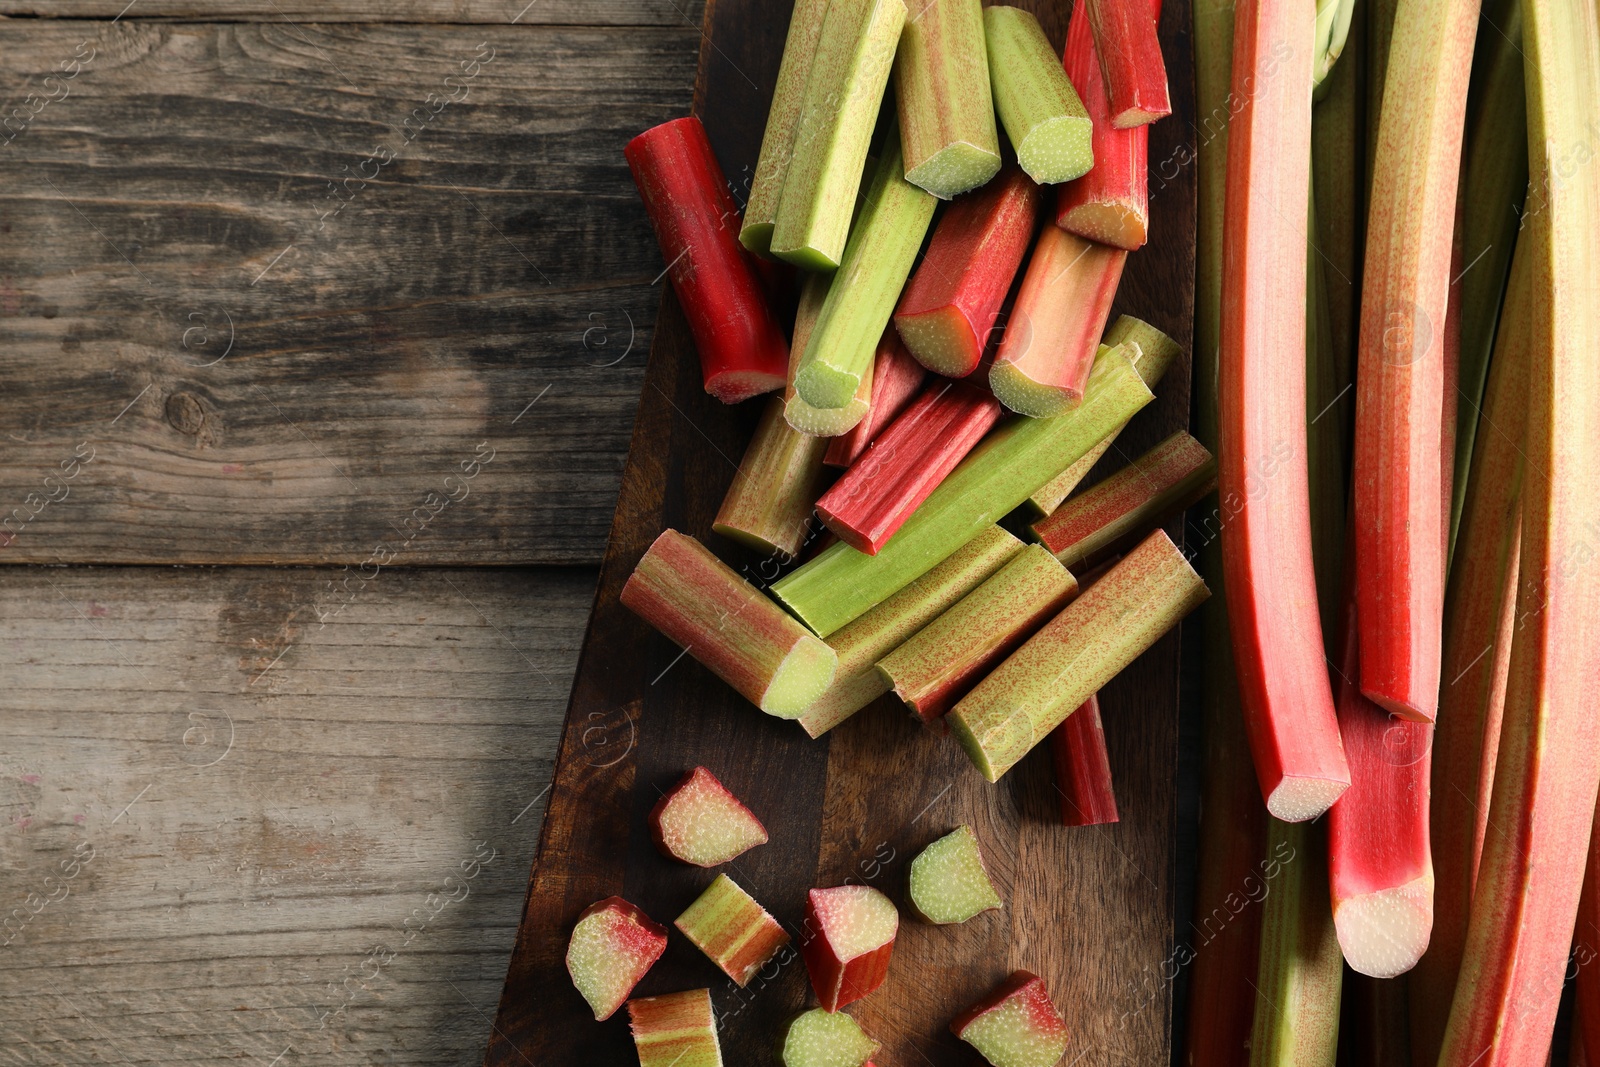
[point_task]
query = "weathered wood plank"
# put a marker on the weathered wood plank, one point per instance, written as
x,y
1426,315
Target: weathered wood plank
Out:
x,y
262,376
258,801
491,12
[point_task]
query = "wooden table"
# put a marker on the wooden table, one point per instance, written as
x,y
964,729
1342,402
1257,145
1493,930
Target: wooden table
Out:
x,y
322,325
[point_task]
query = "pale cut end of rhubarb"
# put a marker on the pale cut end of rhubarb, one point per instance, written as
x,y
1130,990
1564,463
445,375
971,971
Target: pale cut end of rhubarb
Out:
x,y
941,339
949,883
1109,224
821,1038
732,930
824,422
1041,111
612,946
735,387
1016,1025
1022,394
1301,799
955,169
1384,934
826,387
675,1030
700,822
800,679
1057,150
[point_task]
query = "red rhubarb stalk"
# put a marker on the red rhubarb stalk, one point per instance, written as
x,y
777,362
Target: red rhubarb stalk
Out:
x,y
1054,330
1083,768
742,351
1262,470
1111,203
768,505
949,307
1130,57
850,931
906,463
896,379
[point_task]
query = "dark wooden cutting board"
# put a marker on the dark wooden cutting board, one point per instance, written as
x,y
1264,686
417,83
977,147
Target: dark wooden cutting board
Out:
x,y
1090,909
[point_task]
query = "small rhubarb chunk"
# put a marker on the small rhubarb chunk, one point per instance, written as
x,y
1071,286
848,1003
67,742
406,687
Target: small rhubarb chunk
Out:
x,y
821,1038
612,946
1130,57
952,301
733,930
697,600
675,1030
1038,106
1083,768
768,506
1054,330
941,83
896,380
850,933
1016,1025
949,883
700,822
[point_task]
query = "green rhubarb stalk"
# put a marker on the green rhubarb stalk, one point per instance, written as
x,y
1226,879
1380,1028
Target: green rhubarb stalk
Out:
x,y
841,583
1380,33
861,297
849,71
1157,352
818,422
1301,973
938,665
1038,106
783,118
1165,480
1078,652
723,621
768,506
675,1030
883,629
941,83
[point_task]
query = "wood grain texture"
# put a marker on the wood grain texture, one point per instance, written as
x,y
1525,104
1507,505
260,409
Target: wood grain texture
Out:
x,y
264,381
1092,910
490,12
267,800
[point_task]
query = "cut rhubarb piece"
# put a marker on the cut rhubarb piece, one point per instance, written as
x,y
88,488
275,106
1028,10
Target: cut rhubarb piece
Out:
x,y
841,583
768,506
849,72
783,119
1262,466
1300,974
941,83
883,245
1156,352
1130,57
1165,480
1054,329
906,463
698,821
1111,203
1546,768
883,629
1398,498
815,421
951,303
1016,1025
821,1038
733,930
949,883
1083,768
896,380
939,665
849,934
1075,655
698,601
675,1030
612,946
742,353
1038,106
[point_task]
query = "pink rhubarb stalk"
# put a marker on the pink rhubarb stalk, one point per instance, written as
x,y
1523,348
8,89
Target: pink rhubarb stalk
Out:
x,y
1130,56
768,506
742,351
1262,468
906,463
850,933
675,1030
1083,768
698,821
951,303
896,379
732,930
1054,330
613,944
1015,1025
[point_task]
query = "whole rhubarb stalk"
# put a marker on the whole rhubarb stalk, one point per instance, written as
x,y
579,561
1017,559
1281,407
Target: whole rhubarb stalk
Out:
x,y
1398,498
1083,768
906,463
1547,768
1055,326
768,506
1130,57
1043,116
1262,468
950,306
807,419
742,352
937,667
697,600
941,83
896,379
1299,978
1111,203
